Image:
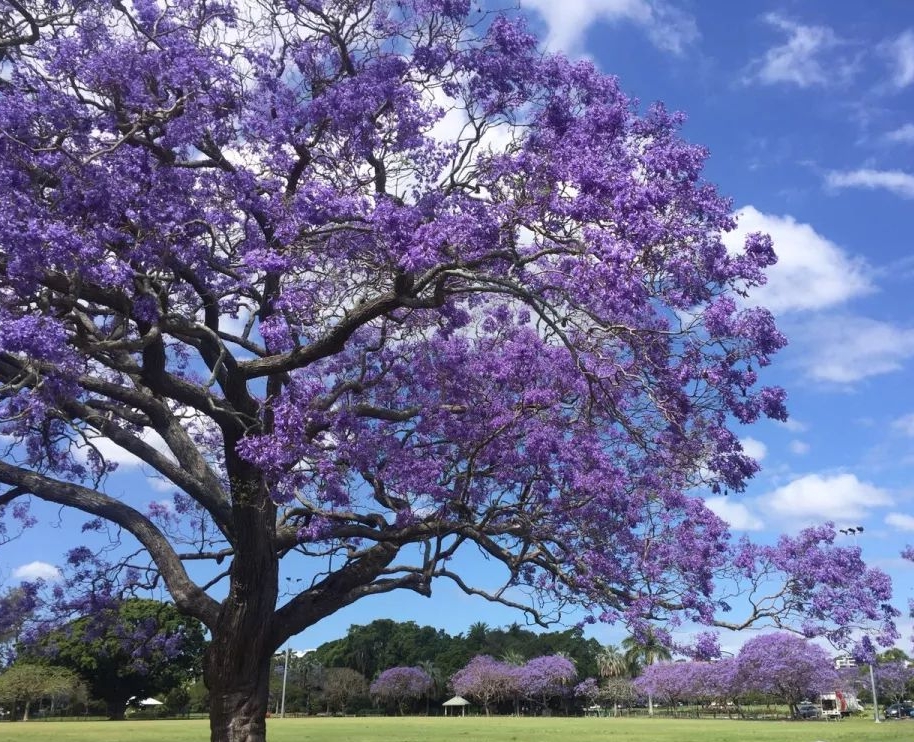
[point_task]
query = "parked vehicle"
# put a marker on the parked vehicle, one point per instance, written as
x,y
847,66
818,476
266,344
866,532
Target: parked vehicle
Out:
x,y
838,704
900,711
808,710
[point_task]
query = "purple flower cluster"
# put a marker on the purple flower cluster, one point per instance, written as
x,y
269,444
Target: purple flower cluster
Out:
x,y
399,685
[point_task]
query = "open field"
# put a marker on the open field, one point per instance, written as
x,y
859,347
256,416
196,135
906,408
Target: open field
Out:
x,y
438,729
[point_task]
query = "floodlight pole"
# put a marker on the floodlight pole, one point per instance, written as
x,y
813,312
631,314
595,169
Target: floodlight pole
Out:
x,y
875,700
285,676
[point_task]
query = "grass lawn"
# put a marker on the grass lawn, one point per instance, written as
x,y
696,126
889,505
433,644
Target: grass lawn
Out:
x,y
475,729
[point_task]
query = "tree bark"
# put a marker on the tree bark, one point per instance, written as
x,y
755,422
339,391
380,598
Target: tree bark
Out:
x,y
238,706
236,666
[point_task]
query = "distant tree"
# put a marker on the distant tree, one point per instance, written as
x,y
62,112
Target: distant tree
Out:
x,y
400,686
893,679
487,681
642,651
177,700
478,637
17,605
134,647
437,682
786,666
544,678
893,654
25,683
342,687
611,662
588,691
666,681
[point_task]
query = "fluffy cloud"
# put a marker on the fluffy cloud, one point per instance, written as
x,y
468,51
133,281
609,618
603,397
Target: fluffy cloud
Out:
x,y
845,349
816,497
113,453
37,571
900,52
811,273
895,181
756,449
736,514
568,22
900,521
802,59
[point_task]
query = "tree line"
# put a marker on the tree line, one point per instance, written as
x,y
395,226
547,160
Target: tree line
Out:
x,y
136,648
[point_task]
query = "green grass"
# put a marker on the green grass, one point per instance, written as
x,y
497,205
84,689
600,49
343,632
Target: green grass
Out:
x,y
475,729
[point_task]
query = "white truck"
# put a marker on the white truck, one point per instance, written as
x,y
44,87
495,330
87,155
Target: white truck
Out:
x,y
839,704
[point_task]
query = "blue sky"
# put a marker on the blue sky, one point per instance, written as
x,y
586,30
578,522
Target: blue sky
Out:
x,y
808,111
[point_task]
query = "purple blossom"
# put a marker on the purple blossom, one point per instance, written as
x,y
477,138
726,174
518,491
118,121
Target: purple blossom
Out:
x,y
400,685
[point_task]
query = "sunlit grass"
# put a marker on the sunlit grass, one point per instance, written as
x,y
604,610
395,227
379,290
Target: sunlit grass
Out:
x,y
473,729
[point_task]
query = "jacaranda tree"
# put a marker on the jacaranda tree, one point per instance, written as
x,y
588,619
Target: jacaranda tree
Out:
x,y
400,686
360,275
785,666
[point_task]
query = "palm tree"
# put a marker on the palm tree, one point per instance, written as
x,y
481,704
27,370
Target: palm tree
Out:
x,y
437,677
611,663
644,652
513,657
478,635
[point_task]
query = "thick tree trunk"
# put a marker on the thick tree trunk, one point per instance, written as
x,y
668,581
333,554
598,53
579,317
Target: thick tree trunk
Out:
x,y
116,709
236,667
238,707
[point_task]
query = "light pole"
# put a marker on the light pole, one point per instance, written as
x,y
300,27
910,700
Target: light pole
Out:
x,y
285,677
875,700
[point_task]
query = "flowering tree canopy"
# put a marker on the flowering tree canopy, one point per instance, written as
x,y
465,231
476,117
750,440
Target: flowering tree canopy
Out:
x,y
786,666
356,275
544,677
894,680
399,685
672,682
487,681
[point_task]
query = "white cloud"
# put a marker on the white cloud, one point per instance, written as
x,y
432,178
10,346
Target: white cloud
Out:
x,y
811,273
114,454
799,448
900,52
901,521
37,571
905,424
568,21
756,449
895,181
902,135
794,426
736,514
845,349
801,59
819,498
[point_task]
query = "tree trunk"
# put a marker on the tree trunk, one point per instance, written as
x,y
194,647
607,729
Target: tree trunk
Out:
x,y
238,707
25,714
116,709
650,705
236,666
